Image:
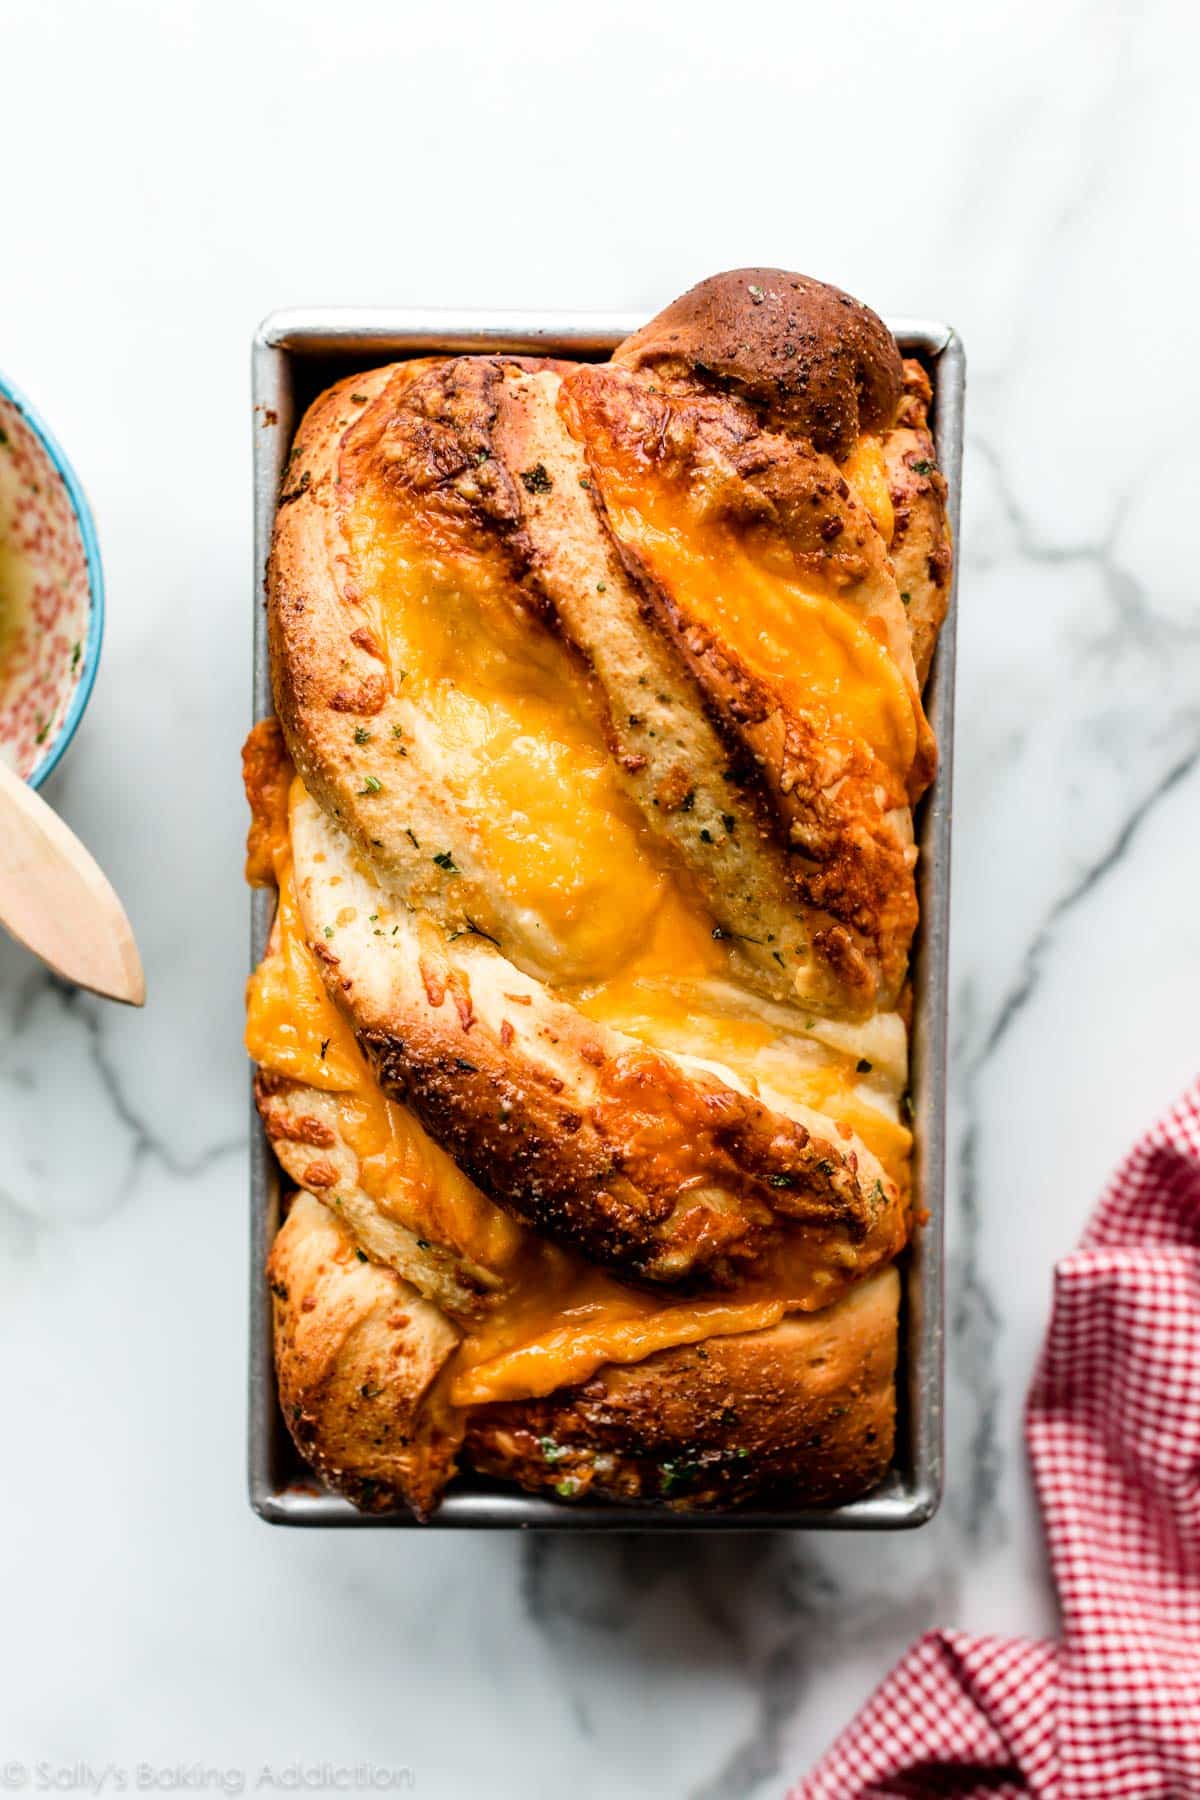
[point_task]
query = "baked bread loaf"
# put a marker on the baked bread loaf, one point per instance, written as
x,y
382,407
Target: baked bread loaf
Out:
x,y
581,1031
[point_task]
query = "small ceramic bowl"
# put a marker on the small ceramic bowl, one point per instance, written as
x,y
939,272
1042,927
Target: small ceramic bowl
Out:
x,y
51,593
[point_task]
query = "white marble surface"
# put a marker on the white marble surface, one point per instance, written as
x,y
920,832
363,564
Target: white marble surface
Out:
x,y
172,172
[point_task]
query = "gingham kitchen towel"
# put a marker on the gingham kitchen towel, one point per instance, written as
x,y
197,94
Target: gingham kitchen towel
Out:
x,y
1112,1711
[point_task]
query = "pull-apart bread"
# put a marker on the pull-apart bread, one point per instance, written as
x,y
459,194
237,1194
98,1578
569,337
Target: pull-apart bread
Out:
x,y
581,1031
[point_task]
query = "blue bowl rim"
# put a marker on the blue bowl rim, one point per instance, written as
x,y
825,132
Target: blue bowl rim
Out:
x,y
91,549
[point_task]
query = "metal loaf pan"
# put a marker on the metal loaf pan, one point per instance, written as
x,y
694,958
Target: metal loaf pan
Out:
x,y
296,355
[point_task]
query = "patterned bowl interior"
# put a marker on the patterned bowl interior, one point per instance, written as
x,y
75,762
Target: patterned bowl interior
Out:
x,y
50,602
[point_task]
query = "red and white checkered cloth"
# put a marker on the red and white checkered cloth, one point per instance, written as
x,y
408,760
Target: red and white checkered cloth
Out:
x,y
1112,1712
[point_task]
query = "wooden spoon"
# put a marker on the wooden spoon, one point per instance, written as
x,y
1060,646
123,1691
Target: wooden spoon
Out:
x,y
58,903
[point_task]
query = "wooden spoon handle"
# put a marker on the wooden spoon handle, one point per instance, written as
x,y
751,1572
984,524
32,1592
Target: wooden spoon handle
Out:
x,y
56,901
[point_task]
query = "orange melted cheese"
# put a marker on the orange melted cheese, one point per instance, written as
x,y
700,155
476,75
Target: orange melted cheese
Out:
x,y
522,751
866,471
530,1351
824,660
831,1090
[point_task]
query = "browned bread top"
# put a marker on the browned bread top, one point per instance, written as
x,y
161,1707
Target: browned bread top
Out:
x,y
810,359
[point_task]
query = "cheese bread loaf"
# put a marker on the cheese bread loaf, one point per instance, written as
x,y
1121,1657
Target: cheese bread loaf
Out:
x,y
581,1032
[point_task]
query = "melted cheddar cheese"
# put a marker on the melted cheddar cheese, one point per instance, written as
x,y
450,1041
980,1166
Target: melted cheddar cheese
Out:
x,y
531,1351
521,748
824,662
826,659
866,471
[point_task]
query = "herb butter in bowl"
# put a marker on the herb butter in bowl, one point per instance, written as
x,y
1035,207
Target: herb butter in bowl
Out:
x,y
51,593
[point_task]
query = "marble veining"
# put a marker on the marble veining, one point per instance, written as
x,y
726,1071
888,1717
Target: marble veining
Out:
x,y
1041,205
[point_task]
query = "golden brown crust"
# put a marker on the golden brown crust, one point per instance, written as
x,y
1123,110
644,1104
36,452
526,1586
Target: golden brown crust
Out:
x,y
357,1352
920,548
805,1408
321,663
808,358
